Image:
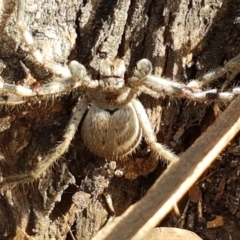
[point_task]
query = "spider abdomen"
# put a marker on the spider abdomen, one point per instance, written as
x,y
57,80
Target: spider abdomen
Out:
x,y
111,133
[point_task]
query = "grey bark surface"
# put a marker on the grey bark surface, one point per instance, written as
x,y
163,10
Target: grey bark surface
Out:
x,y
183,39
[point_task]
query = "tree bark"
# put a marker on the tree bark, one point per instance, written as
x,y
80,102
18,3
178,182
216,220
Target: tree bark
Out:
x,y
182,38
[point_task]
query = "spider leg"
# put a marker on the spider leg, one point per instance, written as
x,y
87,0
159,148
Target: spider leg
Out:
x,y
57,152
11,100
232,66
16,89
78,78
144,82
66,78
150,136
12,94
55,68
15,94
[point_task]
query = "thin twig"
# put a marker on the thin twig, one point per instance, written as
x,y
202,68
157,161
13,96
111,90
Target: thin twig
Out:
x,y
140,218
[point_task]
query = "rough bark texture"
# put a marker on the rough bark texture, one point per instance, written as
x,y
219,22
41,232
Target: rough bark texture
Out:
x,y
183,39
